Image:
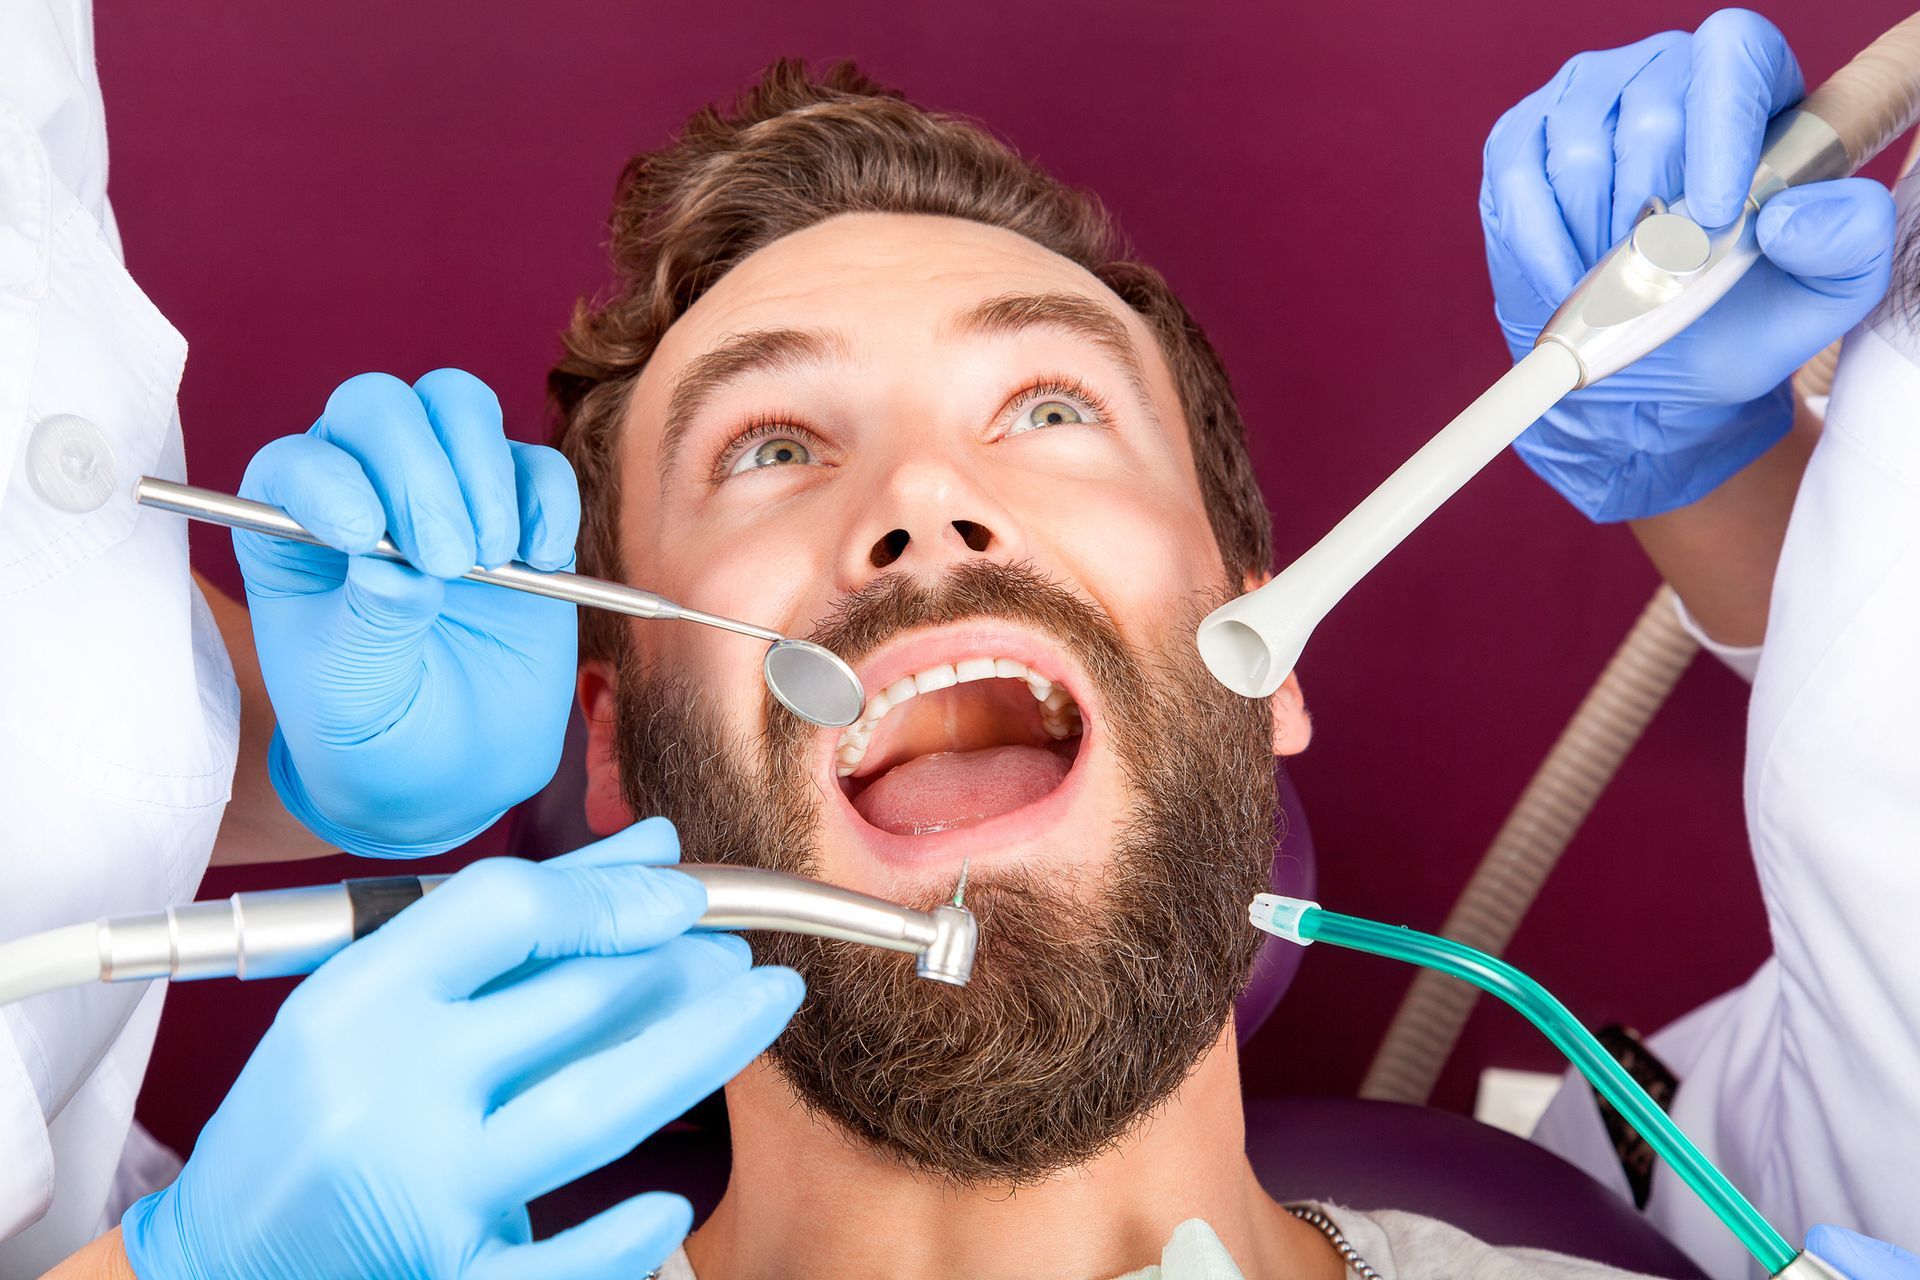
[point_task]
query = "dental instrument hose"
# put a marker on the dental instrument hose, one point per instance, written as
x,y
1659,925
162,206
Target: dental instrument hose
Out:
x,y
1557,799
1305,922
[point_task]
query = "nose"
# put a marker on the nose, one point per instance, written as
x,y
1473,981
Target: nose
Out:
x,y
974,537
927,516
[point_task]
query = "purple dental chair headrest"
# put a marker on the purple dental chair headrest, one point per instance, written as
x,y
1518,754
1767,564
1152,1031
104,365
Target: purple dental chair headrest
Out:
x,y
1370,1155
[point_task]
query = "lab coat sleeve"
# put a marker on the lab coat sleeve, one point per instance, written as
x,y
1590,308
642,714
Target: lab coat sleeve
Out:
x,y
1742,660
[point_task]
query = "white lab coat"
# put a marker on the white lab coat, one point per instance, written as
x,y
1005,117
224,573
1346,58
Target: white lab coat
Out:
x,y
118,710
1803,1085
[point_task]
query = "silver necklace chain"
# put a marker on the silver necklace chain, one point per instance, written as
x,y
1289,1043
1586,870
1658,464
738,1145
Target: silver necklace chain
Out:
x,y
1341,1245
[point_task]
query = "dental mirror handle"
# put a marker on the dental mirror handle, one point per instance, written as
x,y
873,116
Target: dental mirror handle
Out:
x,y
213,507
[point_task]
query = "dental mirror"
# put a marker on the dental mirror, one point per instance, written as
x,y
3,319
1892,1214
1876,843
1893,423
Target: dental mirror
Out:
x,y
72,469
808,680
814,683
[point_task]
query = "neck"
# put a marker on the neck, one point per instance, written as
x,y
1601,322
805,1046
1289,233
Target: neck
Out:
x,y
804,1201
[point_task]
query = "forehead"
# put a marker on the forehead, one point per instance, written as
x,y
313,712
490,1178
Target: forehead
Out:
x,y
880,280
849,266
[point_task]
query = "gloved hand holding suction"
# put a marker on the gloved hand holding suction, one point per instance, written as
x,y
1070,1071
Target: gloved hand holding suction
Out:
x,y
414,709
1557,163
423,1085
1567,172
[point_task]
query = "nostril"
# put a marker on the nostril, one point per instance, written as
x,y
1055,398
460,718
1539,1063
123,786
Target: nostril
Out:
x,y
977,536
888,549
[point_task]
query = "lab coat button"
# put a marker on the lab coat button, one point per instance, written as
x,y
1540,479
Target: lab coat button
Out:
x,y
70,463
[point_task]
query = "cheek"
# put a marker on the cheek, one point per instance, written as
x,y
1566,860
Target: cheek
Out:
x,y
1134,545
758,573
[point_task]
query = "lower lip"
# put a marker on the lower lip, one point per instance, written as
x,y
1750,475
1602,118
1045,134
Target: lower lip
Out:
x,y
1011,832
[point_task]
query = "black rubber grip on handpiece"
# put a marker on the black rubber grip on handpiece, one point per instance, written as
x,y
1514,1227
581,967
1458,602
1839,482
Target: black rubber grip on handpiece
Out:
x,y
378,899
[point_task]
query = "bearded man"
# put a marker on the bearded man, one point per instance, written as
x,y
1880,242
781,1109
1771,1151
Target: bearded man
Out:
x,y
869,377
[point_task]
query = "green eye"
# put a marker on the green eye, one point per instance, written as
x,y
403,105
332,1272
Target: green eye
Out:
x,y
1051,413
779,451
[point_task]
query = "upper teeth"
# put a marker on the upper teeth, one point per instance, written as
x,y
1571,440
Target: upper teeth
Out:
x,y
1059,714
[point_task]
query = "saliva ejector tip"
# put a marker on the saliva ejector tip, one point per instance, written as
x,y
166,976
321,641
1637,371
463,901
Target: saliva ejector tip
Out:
x,y
1281,916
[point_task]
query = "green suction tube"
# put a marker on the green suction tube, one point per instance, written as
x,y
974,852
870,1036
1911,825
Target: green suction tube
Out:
x,y
1304,922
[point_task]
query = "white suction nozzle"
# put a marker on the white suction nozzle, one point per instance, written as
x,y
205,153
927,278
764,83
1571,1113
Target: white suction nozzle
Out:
x,y
1252,643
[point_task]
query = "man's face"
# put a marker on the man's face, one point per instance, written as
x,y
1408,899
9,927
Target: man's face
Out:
x,y
959,460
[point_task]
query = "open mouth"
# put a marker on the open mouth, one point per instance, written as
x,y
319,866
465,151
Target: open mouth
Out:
x,y
957,743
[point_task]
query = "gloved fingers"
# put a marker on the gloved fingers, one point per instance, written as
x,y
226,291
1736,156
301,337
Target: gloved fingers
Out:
x,y
631,1239
516,1033
651,840
549,499
501,913
465,417
1743,72
1580,126
1649,139
596,1109
1862,1257
1518,206
381,422
389,607
321,488
1835,237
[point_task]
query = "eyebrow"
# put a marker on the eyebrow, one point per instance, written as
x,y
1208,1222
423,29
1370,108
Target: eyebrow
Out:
x,y
1011,313
754,351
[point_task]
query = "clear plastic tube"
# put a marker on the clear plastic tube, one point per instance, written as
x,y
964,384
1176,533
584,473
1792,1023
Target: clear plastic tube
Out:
x,y
1308,922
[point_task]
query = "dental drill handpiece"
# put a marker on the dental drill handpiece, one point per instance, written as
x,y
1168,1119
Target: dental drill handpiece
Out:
x,y
1665,274
283,932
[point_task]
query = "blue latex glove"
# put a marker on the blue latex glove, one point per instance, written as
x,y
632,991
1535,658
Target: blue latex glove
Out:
x,y
1567,170
1860,1257
424,1084
413,711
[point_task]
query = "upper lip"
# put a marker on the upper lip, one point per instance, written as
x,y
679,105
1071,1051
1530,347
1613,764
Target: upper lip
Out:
x,y
916,650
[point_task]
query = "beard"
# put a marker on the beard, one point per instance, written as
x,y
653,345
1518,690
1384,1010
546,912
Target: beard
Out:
x,y
1094,993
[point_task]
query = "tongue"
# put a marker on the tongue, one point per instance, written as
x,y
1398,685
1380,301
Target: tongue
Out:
x,y
953,788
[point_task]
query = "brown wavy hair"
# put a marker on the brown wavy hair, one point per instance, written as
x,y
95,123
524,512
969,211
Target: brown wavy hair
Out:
x,y
796,149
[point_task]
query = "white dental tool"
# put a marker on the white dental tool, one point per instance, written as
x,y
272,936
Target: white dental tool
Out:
x,y
810,681
279,933
1659,279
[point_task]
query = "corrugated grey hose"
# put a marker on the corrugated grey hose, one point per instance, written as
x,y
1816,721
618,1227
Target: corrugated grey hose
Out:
x,y
1563,790
1636,681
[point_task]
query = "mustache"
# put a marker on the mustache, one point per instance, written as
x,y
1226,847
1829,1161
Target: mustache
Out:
x,y
864,619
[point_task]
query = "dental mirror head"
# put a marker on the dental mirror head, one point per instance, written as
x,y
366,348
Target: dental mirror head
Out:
x,y
814,683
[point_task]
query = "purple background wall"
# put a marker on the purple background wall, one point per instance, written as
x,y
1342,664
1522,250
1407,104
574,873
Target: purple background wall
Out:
x,y
312,190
